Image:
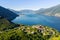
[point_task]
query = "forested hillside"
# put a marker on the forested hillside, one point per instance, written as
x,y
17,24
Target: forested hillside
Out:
x,y
6,25
11,31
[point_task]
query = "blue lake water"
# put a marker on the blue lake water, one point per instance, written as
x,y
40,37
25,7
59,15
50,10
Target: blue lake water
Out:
x,y
32,19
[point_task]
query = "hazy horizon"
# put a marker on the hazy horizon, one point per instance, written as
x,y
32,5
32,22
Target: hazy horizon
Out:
x,y
28,4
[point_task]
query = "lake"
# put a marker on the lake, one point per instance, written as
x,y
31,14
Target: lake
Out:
x,y
35,19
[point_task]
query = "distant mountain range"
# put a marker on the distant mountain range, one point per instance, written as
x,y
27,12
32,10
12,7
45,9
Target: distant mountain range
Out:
x,y
22,12
52,11
9,15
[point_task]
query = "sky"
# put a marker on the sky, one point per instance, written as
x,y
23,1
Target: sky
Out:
x,y
28,4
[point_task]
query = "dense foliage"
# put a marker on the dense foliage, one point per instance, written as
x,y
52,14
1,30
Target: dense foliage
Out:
x,y
30,33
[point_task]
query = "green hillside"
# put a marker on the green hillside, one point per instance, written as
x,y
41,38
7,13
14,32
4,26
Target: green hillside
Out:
x,y
35,32
5,24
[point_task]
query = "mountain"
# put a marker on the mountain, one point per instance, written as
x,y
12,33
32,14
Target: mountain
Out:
x,y
52,11
9,15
